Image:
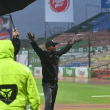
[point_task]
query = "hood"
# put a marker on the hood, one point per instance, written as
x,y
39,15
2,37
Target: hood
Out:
x,y
6,49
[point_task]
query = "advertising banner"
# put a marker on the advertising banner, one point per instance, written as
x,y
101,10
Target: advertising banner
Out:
x,y
91,49
81,72
5,27
37,71
60,72
59,11
69,72
23,59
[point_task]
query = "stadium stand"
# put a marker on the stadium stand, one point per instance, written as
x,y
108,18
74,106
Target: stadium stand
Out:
x,y
100,19
100,23
98,29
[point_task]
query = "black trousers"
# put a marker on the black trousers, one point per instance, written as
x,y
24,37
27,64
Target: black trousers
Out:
x,y
50,92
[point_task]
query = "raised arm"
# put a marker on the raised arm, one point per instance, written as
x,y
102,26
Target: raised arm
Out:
x,y
36,48
67,47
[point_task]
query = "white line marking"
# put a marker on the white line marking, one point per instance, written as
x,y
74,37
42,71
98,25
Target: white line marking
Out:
x,y
102,96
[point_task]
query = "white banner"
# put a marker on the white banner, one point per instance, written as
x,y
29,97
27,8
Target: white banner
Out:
x,y
81,72
38,72
59,11
23,59
60,72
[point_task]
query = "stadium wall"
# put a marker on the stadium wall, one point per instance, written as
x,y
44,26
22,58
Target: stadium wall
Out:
x,y
65,72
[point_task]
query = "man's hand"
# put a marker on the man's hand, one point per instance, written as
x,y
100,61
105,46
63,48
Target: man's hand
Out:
x,y
15,33
30,36
73,41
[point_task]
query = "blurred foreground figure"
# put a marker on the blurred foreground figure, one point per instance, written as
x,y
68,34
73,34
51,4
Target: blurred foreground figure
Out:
x,y
17,85
49,60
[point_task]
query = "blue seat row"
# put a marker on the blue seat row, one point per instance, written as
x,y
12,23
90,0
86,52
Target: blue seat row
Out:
x,y
76,64
99,25
99,19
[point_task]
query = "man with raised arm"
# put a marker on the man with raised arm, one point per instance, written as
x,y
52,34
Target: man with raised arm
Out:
x,y
49,60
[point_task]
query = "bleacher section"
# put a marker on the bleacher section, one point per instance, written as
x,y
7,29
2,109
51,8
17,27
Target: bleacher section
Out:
x,y
98,38
100,19
77,64
77,30
63,38
98,60
100,23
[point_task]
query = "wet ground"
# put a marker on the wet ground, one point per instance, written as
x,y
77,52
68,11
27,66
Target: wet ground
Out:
x,y
81,107
105,81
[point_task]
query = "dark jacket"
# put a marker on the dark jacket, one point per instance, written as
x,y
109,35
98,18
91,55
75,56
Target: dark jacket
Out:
x,y
49,61
16,44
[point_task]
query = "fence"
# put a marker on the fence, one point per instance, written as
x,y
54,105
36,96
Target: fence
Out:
x,y
100,73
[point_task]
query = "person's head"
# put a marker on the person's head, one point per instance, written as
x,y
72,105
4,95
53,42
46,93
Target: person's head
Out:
x,y
50,45
6,49
1,24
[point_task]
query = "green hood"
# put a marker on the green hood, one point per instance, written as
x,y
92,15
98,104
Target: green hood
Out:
x,y
6,49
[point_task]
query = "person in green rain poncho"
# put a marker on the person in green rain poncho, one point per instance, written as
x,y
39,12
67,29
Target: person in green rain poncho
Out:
x,y
17,85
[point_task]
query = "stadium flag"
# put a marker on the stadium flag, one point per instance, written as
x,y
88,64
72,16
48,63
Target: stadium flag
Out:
x,y
59,11
5,27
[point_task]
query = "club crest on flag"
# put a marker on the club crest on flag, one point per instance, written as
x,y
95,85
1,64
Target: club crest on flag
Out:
x,y
59,5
